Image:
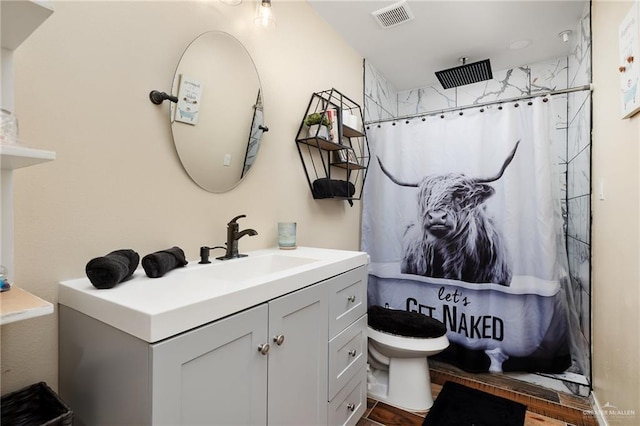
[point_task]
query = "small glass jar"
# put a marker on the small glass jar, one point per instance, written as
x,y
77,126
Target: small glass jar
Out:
x,y
4,280
8,127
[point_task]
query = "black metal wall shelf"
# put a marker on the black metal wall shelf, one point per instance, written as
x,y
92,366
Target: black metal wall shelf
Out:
x,y
335,159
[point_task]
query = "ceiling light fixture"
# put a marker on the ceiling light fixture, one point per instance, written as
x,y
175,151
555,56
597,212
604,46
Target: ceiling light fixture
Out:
x,y
264,15
564,35
520,44
231,2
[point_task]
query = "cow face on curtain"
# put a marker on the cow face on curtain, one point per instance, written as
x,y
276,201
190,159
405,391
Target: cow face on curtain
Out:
x,y
454,237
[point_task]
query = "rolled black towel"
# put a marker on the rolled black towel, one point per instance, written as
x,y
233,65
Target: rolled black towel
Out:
x,y
404,323
329,188
159,263
117,266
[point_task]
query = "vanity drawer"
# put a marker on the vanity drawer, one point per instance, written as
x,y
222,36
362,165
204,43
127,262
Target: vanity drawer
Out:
x,y
347,300
350,403
347,354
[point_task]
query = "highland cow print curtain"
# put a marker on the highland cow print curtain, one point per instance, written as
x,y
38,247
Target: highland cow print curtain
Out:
x,y
462,220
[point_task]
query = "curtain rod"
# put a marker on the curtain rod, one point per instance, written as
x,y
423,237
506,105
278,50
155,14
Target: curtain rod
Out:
x,y
588,87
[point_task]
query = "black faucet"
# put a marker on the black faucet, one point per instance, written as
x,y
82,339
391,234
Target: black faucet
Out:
x,y
233,235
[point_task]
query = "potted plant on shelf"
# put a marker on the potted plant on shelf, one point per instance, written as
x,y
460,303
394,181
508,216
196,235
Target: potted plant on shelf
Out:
x,y
319,125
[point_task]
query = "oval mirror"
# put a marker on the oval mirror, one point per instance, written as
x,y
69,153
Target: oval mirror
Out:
x,y
217,122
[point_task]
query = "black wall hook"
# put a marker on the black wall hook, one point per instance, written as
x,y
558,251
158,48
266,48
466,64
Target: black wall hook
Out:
x,y
263,128
158,97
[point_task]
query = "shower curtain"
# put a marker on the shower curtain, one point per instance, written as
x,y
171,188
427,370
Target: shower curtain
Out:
x,y
462,220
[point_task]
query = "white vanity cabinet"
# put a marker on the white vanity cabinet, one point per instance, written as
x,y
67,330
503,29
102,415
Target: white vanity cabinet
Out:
x,y
218,373
221,372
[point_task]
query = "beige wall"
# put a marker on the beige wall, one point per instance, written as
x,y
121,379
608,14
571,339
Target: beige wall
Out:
x,y
616,226
82,84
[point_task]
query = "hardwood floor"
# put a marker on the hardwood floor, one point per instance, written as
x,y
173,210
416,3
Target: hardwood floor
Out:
x,y
544,407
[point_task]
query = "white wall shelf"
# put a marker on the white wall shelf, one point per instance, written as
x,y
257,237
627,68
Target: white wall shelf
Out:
x,y
16,156
20,19
17,305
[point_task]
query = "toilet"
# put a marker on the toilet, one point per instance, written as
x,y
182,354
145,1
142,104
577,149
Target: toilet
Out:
x,y
399,344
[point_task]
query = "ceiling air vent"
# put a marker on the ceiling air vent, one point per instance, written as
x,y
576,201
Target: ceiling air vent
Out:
x,y
396,14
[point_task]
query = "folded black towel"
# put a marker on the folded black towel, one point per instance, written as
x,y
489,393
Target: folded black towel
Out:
x,y
329,188
159,263
115,267
404,323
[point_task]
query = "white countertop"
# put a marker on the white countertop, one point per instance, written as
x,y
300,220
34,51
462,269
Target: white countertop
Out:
x,y
154,309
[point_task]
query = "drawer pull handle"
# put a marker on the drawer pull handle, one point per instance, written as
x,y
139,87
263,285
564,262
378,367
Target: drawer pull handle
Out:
x,y
353,352
351,299
351,407
279,339
264,348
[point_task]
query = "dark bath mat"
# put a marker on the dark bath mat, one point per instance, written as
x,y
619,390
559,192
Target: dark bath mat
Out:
x,y
458,405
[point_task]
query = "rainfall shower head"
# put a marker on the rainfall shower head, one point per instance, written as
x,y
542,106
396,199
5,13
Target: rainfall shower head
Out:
x,y
465,74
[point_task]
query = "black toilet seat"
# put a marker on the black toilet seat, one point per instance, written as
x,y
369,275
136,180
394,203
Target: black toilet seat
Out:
x,y
404,323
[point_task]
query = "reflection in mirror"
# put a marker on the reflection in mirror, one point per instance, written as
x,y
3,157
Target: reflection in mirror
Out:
x,y
254,138
217,123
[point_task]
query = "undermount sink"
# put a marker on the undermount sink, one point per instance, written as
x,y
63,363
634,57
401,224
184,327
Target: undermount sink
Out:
x,y
246,268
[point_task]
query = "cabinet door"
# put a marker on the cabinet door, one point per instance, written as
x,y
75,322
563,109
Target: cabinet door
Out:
x,y
298,366
214,374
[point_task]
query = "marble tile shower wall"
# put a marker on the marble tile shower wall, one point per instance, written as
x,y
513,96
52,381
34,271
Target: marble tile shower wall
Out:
x,y
571,139
579,178
383,102
507,84
380,98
